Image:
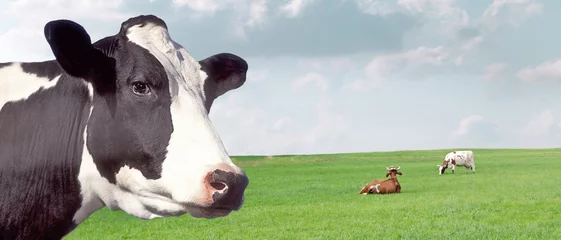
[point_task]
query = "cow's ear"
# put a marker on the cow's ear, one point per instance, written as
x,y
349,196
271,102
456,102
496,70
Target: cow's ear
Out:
x,y
72,48
225,72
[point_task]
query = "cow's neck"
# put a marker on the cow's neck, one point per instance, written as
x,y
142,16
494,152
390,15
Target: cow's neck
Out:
x,y
47,104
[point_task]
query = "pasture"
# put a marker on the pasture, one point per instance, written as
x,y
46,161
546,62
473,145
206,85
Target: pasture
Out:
x,y
515,194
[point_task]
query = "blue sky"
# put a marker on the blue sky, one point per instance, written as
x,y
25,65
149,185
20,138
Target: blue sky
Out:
x,y
351,75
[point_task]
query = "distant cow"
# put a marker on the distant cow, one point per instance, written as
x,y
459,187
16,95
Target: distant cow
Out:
x,y
390,185
122,122
457,158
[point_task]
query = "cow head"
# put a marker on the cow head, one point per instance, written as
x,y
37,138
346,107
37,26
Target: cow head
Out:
x,y
393,171
153,149
442,167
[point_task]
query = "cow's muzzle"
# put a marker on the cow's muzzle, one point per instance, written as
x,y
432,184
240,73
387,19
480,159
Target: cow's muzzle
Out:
x,y
227,188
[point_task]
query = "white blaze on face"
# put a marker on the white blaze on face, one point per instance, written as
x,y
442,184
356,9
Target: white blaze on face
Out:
x,y
194,148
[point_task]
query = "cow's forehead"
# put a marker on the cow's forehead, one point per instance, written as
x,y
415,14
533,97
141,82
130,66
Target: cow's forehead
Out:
x,y
182,69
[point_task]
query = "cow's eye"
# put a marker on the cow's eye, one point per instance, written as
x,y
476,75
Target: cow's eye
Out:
x,y
140,88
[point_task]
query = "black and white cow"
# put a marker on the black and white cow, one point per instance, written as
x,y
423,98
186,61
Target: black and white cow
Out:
x,y
122,123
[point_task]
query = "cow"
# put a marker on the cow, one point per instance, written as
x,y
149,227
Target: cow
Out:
x,y
457,158
122,122
386,186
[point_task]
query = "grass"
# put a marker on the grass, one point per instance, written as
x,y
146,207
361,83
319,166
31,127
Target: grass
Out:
x,y
515,194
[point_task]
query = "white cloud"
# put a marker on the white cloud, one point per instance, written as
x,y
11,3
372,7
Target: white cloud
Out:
x,y
459,60
341,63
279,124
383,65
499,14
248,13
476,131
540,126
24,44
257,11
493,71
257,75
548,70
509,13
376,7
465,124
238,30
201,6
421,5
39,10
472,43
450,16
329,126
311,63
320,81
527,7
293,8
363,85
333,63
245,129
444,11
541,131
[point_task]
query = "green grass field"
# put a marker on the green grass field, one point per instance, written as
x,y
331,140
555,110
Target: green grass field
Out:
x,y
515,194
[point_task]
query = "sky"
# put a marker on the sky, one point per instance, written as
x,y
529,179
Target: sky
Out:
x,y
350,75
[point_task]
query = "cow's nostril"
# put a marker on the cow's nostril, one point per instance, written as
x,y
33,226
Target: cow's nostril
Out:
x,y
218,185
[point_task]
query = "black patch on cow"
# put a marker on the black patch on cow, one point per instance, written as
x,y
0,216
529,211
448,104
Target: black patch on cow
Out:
x,y
48,69
141,21
124,128
127,129
5,64
40,152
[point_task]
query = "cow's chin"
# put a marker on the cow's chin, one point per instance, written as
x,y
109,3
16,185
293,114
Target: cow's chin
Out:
x,y
196,212
158,207
199,212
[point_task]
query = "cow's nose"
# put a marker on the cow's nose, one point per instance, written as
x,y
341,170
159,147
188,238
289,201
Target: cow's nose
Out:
x,y
227,187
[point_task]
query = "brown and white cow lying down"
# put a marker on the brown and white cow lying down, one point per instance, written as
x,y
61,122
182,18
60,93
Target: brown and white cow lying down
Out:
x,y
386,186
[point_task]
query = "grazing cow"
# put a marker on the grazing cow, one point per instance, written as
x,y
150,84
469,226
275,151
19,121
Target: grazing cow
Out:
x,y
457,158
122,123
390,185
